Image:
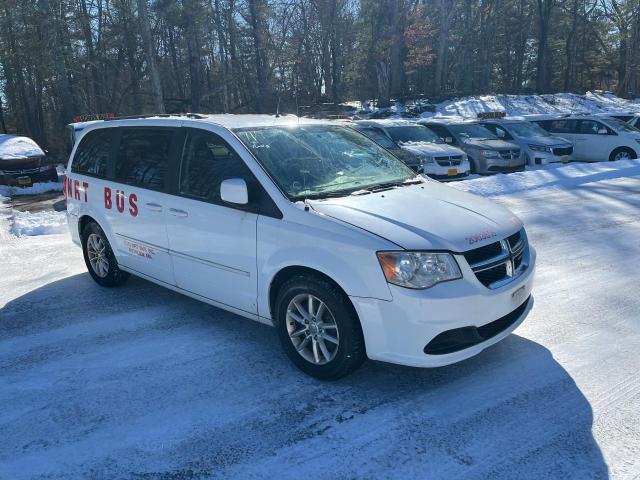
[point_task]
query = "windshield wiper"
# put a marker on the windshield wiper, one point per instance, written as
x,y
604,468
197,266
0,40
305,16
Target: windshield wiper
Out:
x,y
388,185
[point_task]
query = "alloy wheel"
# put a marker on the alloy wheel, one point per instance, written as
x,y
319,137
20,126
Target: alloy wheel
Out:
x,y
312,329
97,253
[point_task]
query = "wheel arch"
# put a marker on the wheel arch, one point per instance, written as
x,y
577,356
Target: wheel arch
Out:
x,y
624,148
83,221
291,271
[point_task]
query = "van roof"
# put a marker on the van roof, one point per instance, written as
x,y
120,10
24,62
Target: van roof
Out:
x,y
226,120
387,122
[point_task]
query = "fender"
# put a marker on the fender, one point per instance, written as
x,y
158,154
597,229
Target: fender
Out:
x,y
284,243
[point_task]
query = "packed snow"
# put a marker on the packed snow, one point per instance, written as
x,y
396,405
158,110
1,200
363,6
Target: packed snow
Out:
x,y
38,223
140,382
14,146
35,189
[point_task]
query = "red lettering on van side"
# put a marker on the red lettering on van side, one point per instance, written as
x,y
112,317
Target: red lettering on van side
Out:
x,y
107,198
133,206
76,189
85,187
120,200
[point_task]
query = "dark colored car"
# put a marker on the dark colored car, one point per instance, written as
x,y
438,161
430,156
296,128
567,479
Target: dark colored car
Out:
x,y
23,162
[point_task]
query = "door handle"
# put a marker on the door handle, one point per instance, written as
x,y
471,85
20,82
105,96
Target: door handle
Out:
x,y
154,207
178,213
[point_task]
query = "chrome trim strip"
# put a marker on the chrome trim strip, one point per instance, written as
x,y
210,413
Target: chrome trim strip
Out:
x,y
185,256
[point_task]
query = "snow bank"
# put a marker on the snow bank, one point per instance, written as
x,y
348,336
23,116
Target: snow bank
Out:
x,y
39,223
554,176
13,146
469,107
35,189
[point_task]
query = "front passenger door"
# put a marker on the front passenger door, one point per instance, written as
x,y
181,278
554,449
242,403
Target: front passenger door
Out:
x,y
213,244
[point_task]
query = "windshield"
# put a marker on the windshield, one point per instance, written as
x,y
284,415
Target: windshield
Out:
x,y
472,131
620,126
379,137
316,161
413,133
526,129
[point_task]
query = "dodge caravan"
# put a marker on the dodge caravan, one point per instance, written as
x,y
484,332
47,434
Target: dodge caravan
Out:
x,y
439,160
305,225
487,153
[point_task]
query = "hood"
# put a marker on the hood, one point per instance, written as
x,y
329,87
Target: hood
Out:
x,y
14,147
545,141
428,149
426,216
491,144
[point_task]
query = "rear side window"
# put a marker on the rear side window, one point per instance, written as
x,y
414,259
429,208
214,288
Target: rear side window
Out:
x,y
207,160
143,157
439,130
92,155
559,126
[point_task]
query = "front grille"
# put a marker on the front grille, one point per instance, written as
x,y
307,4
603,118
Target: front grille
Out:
x,y
24,171
492,275
500,263
510,154
483,253
562,151
452,161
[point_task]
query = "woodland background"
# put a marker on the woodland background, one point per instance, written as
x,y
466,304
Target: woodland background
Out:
x,y
62,58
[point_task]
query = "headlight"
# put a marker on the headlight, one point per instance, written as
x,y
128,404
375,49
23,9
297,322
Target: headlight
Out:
x,y
541,148
427,160
490,153
46,167
418,270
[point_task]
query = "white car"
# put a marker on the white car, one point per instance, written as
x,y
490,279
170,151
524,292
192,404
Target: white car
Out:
x,y
538,146
595,138
440,161
305,225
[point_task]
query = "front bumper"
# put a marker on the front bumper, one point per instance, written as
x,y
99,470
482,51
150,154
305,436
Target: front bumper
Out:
x,y
398,331
500,165
28,179
443,173
544,158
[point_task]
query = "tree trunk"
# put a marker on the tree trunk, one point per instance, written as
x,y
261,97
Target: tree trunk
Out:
x,y
152,67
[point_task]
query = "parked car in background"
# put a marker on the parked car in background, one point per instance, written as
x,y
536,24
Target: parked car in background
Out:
x,y
539,147
487,153
411,160
595,138
632,118
439,160
304,225
23,162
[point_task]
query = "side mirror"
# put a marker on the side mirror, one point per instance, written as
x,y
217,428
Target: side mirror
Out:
x,y
234,190
448,139
603,131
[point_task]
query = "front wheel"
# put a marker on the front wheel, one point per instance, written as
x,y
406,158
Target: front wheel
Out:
x,y
99,257
622,153
318,328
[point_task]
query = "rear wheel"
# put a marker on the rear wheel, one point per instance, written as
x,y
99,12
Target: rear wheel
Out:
x,y
622,153
99,257
318,328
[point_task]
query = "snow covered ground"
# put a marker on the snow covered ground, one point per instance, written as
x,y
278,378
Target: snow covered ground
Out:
x,y
140,382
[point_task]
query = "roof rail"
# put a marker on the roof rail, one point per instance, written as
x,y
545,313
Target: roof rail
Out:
x,y
198,116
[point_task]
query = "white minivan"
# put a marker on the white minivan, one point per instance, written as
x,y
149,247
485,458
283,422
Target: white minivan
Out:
x,y
305,225
595,138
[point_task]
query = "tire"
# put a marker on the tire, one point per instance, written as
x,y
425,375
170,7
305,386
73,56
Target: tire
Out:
x,y
338,321
107,274
472,166
622,153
